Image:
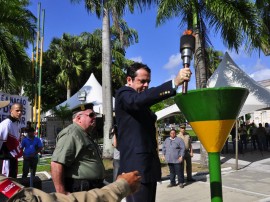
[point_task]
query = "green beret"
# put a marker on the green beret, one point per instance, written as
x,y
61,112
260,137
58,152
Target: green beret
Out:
x,y
82,107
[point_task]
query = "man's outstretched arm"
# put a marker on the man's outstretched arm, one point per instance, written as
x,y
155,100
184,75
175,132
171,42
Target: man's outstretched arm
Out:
x,y
125,184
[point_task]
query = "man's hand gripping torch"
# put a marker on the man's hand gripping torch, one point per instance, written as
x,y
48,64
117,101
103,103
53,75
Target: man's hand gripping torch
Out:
x,y
187,46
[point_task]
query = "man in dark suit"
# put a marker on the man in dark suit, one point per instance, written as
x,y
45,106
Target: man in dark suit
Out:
x,y
136,126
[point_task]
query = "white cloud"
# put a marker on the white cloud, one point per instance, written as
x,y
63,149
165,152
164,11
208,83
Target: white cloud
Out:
x,y
260,75
137,59
174,61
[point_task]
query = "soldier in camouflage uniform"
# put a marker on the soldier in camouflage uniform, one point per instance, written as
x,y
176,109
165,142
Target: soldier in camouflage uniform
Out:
x,y
126,184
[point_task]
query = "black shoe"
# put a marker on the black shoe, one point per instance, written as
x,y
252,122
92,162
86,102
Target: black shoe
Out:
x,y
171,185
181,185
191,180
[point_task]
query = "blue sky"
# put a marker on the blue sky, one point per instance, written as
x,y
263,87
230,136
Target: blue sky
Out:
x,y
158,47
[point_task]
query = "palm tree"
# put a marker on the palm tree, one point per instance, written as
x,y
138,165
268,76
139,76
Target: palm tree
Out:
x,y
103,8
17,27
91,60
264,10
68,58
63,113
213,58
93,50
238,23
120,40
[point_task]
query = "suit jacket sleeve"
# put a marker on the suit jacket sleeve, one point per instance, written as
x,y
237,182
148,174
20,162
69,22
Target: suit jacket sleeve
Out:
x,y
131,100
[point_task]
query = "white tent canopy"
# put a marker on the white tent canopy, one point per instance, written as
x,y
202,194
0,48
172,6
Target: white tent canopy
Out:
x,y
167,112
93,95
229,74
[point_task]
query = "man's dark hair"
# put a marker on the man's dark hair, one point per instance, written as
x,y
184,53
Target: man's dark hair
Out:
x,y
132,70
28,130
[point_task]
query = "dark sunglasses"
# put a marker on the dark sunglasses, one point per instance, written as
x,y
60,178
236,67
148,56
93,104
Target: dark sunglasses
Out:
x,y
143,81
91,115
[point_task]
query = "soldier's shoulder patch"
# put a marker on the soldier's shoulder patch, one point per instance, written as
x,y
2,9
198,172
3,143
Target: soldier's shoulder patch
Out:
x,y
9,188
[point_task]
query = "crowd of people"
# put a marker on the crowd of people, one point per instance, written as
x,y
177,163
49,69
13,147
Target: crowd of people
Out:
x,y
18,142
11,149
76,165
256,135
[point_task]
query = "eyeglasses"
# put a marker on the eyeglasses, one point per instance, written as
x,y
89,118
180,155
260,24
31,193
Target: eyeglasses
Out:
x,y
143,81
91,115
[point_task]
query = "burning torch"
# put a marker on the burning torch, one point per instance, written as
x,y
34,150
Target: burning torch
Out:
x,y
187,46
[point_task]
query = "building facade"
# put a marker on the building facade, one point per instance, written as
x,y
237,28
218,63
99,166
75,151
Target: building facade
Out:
x,y
262,116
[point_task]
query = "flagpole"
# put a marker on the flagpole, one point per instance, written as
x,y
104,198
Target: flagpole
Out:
x,y
33,81
36,64
40,71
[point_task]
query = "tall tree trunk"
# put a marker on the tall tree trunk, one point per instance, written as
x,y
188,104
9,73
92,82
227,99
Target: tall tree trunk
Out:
x,y
68,90
200,69
200,74
106,84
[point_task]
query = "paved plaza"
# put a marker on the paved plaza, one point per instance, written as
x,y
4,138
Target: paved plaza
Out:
x,y
251,182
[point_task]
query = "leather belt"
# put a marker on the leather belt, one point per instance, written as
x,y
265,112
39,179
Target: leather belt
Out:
x,y
75,185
